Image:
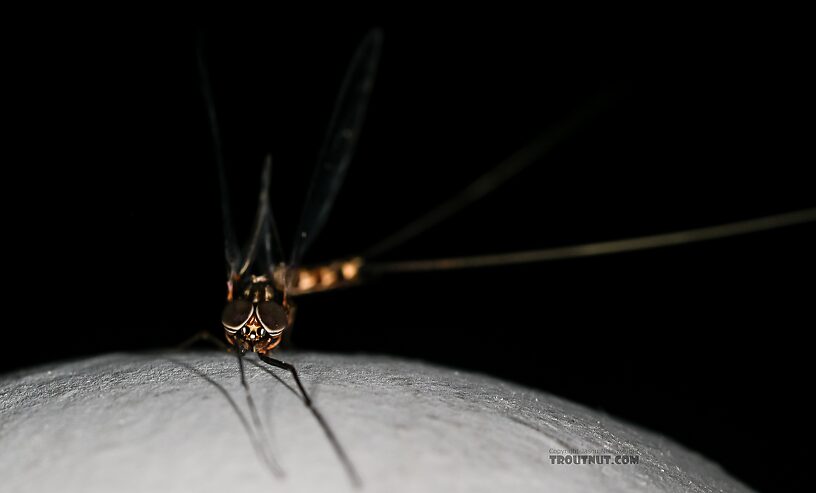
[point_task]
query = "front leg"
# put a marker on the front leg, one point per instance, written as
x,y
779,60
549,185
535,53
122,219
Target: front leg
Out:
x,y
341,453
291,369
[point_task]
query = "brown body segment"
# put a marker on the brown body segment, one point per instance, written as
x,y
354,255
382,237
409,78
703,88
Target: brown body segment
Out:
x,y
305,280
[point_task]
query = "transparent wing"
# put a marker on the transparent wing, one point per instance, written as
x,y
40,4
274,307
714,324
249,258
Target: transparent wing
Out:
x,y
231,250
494,178
338,146
264,231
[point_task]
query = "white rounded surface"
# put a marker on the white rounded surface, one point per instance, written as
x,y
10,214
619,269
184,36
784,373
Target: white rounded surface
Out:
x,y
168,422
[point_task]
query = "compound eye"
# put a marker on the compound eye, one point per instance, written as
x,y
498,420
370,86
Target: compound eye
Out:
x,y
273,317
236,314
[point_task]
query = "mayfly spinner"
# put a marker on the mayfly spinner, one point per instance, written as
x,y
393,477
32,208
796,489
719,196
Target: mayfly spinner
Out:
x,y
262,282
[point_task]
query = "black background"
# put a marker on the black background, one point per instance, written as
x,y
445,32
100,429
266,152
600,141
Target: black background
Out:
x,y
114,233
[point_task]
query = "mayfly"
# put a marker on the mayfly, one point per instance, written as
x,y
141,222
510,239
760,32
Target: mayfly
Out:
x,y
262,282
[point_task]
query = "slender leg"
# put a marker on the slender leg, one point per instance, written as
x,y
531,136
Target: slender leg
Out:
x,y
291,369
256,436
341,453
253,411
